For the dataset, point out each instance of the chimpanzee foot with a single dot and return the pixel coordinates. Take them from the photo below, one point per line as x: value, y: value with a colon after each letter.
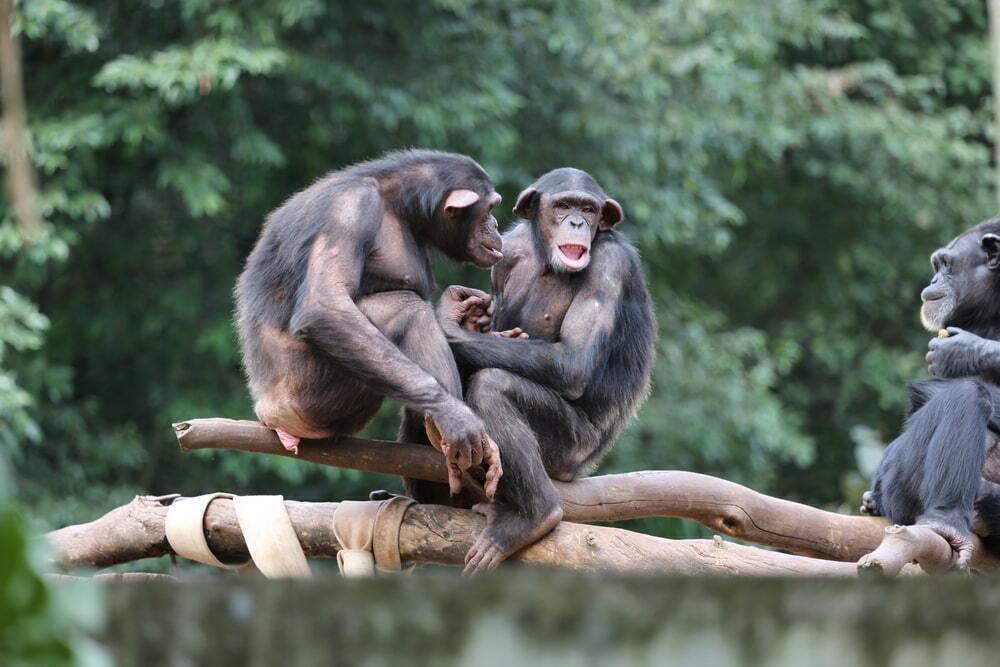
x: 290, y: 441
x: 960, y: 542
x: 868, y: 504
x: 506, y: 533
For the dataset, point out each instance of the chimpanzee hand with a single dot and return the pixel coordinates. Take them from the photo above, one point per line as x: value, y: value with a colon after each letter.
x: 466, y: 308
x: 516, y: 332
x: 961, y: 354
x: 464, y: 442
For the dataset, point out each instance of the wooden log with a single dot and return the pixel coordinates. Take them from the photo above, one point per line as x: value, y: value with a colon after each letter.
x: 392, y: 458
x: 430, y: 534
x: 724, y: 507
x: 918, y: 544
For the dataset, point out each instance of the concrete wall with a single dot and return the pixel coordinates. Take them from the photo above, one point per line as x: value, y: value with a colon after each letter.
x: 529, y: 617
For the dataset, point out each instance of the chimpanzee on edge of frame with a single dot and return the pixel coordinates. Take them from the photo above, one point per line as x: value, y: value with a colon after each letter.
x: 556, y: 402
x: 333, y: 307
x: 937, y: 471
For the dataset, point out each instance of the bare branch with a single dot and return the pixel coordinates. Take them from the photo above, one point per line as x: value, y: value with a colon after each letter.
x: 430, y: 534
x: 921, y: 545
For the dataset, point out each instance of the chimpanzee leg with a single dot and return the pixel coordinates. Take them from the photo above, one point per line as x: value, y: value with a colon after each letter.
x: 955, y: 453
x: 520, y: 415
x: 409, y: 321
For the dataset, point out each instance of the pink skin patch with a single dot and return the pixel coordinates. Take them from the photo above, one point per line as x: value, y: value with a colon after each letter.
x: 574, y: 256
x: 290, y: 442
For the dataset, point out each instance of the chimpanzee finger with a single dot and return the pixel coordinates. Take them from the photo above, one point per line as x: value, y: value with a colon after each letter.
x: 459, y: 455
x: 929, y: 357
x: 954, y: 331
x: 469, y: 303
x: 494, y: 469
x: 475, y: 452
x: 454, y: 479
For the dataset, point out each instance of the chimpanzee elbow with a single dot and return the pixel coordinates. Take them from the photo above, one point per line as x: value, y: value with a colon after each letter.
x: 303, y: 324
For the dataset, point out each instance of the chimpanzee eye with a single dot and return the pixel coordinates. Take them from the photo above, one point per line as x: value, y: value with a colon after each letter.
x: 562, y: 206
x: 589, y: 209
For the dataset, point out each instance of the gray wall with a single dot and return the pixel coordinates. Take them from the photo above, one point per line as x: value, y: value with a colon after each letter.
x: 528, y: 617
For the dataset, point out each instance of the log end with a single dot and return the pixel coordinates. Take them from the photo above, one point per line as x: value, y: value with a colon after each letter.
x: 180, y: 429
x: 871, y: 566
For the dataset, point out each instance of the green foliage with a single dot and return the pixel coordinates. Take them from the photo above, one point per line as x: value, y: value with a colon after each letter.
x: 39, y: 626
x: 785, y: 167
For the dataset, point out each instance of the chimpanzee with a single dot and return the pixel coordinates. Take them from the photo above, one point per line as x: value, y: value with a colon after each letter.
x: 933, y: 473
x: 556, y: 401
x: 333, y: 305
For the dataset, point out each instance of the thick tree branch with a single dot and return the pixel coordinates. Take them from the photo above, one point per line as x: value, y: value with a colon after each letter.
x: 430, y: 534
x: 725, y: 507
x: 921, y: 545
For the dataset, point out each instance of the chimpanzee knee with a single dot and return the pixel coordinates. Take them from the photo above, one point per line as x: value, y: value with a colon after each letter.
x: 486, y: 387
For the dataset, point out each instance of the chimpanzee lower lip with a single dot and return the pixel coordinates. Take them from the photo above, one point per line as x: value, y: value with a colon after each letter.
x: 493, y: 251
x: 573, y: 251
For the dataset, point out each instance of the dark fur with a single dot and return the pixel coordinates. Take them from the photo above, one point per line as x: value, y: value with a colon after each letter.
x: 346, y: 253
x: 556, y: 403
x: 932, y: 473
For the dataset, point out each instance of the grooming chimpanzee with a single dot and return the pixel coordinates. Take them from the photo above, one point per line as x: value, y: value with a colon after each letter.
x: 334, y: 313
x: 933, y: 473
x: 555, y: 403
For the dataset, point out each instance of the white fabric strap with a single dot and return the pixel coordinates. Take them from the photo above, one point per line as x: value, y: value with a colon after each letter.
x: 274, y: 548
x: 185, y: 526
x: 270, y: 538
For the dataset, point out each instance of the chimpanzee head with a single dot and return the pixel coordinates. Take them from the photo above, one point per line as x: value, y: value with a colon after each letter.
x: 461, y: 198
x: 568, y: 209
x: 965, y: 289
x: 470, y: 213
x: 447, y: 199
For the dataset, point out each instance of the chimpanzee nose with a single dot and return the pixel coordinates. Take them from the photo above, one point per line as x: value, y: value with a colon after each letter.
x: 576, y: 222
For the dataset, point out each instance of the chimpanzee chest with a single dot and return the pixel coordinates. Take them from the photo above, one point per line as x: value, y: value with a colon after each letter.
x: 398, y: 262
x: 535, y: 303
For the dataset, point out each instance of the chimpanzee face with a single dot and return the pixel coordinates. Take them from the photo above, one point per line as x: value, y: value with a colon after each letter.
x: 568, y: 209
x: 474, y: 214
x: 568, y: 223
x: 964, y: 283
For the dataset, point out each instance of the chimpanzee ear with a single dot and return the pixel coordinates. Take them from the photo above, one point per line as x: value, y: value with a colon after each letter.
x: 991, y: 244
x: 525, y: 206
x: 611, y: 214
x: 459, y: 199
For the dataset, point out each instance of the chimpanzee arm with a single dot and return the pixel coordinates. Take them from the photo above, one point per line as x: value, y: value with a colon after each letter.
x: 568, y: 364
x: 328, y: 318
x: 963, y: 354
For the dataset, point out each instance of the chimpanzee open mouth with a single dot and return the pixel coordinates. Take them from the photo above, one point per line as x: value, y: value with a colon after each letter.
x: 573, y: 254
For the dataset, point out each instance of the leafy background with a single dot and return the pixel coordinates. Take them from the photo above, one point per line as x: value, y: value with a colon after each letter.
x: 786, y: 167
